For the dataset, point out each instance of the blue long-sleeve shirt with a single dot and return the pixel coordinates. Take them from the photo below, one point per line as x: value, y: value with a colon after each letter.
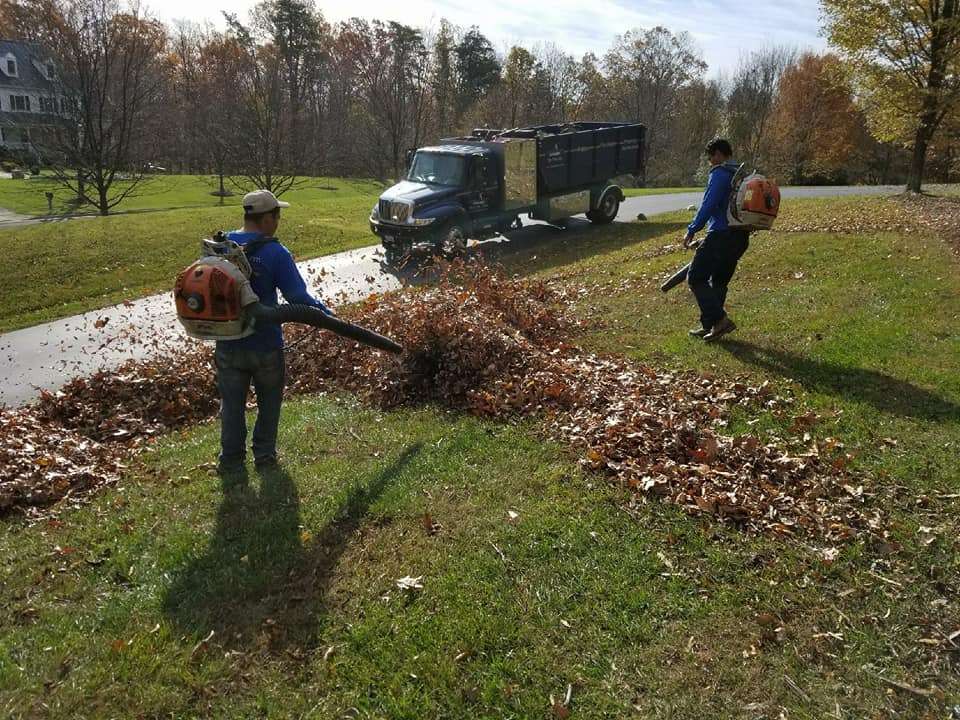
x: 713, y: 207
x: 273, y: 269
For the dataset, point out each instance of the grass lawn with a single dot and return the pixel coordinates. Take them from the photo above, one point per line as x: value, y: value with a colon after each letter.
x: 157, y: 192
x: 634, y: 192
x: 111, y: 608
x: 68, y: 267
x: 165, y: 192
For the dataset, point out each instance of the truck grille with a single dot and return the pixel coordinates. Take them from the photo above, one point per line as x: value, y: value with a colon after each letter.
x: 394, y: 212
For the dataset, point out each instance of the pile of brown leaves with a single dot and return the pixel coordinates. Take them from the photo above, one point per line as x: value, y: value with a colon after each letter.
x: 494, y: 347
x: 137, y: 400
x: 40, y: 464
x: 72, y: 441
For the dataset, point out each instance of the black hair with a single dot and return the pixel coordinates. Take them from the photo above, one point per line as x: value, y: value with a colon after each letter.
x: 257, y: 217
x: 721, y: 144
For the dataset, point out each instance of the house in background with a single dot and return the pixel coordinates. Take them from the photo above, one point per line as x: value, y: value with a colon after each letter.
x: 31, y: 100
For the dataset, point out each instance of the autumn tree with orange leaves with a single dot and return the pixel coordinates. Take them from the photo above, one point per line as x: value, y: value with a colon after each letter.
x: 815, y: 123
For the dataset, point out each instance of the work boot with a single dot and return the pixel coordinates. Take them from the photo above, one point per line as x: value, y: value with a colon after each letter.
x: 698, y: 332
x: 724, y: 325
x: 269, y: 462
x: 230, y: 466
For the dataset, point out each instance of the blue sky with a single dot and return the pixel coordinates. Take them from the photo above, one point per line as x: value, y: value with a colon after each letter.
x: 720, y: 28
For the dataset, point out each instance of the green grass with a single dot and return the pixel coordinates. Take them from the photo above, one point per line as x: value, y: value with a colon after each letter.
x: 68, y: 267
x: 165, y: 192
x: 156, y: 192
x: 634, y: 192
x: 647, y: 614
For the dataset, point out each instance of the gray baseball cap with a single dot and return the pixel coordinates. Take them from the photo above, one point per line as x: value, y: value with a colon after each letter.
x: 261, y: 201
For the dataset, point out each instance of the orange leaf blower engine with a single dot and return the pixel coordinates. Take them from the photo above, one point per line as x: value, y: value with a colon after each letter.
x: 754, y: 201
x: 215, y: 301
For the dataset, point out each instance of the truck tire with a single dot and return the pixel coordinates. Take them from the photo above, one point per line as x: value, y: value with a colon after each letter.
x: 607, y: 209
x: 453, y: 241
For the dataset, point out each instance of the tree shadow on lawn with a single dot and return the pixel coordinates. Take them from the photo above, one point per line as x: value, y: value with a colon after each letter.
x: 887, y: 394
x: 263, y: 580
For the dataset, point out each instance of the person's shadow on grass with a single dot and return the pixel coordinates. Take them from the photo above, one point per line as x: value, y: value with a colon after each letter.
x: 887, y: 394
x: 263, y: 579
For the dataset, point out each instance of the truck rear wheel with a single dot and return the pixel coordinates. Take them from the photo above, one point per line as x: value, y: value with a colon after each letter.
x: 606, y: 211
x: 453, y: 242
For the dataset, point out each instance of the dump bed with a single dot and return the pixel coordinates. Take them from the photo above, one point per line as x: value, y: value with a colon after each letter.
x: 577, y: 155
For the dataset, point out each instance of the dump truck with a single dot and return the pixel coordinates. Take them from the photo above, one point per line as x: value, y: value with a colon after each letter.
x: 479, y: 186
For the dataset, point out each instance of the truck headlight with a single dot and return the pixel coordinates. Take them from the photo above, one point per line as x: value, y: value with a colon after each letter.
x: 420, y: 221
x: 375, y: 213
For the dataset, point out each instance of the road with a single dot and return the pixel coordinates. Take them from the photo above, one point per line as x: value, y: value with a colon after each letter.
x: 46, y: 356
x: 9, y: 219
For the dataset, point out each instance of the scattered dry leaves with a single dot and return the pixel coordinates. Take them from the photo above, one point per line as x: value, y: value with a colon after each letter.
x: 495, y: 347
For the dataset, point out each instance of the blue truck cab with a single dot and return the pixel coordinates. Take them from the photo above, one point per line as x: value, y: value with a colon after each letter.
x: 478, y: 186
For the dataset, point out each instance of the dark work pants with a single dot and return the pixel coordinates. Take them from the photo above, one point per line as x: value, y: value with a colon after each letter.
x: 236, y: 369
x: 712, y: 268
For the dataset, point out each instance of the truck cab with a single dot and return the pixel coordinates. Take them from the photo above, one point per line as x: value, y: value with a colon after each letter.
x: 451, y: 192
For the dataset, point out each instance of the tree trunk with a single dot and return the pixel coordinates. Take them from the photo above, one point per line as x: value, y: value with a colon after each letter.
x: 103, y: 204
x: 885, y: 167
x: 931, y: 99
x: 922, y: 139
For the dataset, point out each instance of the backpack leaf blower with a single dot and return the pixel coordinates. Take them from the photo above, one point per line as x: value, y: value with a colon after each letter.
x: 754, y: 204
x: 215, y: 301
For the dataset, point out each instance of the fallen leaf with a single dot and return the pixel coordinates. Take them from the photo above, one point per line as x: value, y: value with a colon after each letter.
x: 410, y: 583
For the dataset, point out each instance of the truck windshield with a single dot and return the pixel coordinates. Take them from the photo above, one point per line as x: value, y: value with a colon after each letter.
x: 438, y: 169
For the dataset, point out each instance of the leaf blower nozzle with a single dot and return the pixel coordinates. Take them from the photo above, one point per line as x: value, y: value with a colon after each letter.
x: 678, y: 277
x: 309, y: 315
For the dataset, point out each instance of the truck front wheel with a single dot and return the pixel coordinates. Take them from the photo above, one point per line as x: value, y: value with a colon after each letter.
x: 393, y: 254
x: 606, y: 211
x: 453, y: 241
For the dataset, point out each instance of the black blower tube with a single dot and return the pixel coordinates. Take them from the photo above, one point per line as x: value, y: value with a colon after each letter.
x: 678, y: 277
x: 309, y: 315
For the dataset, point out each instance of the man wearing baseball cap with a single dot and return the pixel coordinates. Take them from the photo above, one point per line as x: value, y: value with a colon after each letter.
x: 258, y: 358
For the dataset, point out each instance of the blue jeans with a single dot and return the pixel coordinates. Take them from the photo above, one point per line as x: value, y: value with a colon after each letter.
x: 712, y: 269
x: 235, y: 371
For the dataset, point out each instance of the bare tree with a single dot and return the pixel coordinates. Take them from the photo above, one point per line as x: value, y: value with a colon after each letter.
x: 393, y: 79
x: 646, y: 70
x: 265, y: 155
x: 205, y: 88
x: 750, y: 100
x: 111, y: 70
x: 697, y: 118
x: 443, y: 77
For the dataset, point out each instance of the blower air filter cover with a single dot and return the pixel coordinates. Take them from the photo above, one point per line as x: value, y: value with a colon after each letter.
x: 210, y: 297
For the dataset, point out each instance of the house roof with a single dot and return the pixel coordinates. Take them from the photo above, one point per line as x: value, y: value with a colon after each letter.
x: 26, y: 54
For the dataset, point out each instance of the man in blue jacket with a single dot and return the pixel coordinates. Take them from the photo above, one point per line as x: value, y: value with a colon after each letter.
x: 717, y: 256
x: 258, y: 358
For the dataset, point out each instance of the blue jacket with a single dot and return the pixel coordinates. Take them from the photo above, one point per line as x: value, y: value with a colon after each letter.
x: 716, y: 198
x: 273, y: 269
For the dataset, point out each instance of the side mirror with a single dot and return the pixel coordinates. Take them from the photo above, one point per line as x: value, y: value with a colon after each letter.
x: 408, y: 156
